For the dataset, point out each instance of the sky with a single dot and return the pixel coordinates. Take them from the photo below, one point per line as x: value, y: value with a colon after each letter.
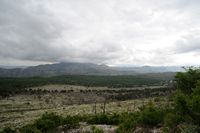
x: 112, y: 32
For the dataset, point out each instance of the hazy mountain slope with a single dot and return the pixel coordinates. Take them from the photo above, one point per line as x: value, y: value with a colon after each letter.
x: 82, y: 69
x: 59, y: 69
x: 151, y: 69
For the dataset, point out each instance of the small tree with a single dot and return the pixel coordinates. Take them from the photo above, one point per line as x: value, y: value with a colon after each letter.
x: 186, y: 81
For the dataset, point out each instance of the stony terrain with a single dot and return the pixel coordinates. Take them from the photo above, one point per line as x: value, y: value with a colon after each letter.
x: 19, y: 110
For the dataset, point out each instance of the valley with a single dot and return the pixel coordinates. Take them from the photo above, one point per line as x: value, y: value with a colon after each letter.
x: 19, y: 110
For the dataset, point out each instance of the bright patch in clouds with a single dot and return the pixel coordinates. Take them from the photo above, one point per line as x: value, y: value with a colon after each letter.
x: 113, y: 32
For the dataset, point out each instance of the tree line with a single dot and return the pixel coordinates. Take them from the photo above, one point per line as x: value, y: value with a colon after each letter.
x: 12, y: 86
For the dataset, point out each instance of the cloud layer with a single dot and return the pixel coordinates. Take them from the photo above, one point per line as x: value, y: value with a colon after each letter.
x: 114, y: 32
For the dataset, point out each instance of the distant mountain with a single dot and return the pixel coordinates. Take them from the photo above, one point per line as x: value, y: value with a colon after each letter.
x: 59, y: 69
x: 81, y: 69
x: 151, y: 69
x: 12, y: 67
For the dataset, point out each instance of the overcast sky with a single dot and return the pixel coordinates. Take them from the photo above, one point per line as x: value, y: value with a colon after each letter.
x: 113, y: 32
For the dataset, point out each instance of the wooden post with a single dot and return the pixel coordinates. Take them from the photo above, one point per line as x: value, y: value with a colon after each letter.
x: 95, y: 108
x: 104, y: 107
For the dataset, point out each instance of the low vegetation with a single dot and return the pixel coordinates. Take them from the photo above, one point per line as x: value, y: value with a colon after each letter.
x: 182, y: 117
x: 12, y: 86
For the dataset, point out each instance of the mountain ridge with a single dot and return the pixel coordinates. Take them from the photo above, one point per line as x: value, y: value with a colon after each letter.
x: 75, y: 68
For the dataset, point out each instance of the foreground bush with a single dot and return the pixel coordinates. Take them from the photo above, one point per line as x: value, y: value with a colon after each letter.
x: 171, y: 121
x: 128, y: 122
x: 8, y: 130
x: 151, y: 115
x: 104, y: 119
x: 48, y: 123
x: 30, y: 129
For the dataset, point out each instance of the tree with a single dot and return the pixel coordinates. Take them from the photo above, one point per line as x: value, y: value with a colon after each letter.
x: 187, y: 100
x: 186, y: 81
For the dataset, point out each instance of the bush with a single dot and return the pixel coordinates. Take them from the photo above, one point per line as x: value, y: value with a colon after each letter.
x: 186, y: 81
x: 181, y: 103
x: 172, y: 120
x: 113, y: 119
x: 8, y: 130
x: 48, y: 121
x: 128, y: 122
x: 98, y: 119
x: 195, y: 101
x: 128, y: 126
x: 96, y: 130
x: 191, y: 129
x: 29, y: 129
x: 71, y: 122
x: 151, y: 116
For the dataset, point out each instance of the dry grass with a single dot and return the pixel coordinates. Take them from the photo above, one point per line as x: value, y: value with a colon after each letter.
x: 19, y: 110
x: 78, y: 88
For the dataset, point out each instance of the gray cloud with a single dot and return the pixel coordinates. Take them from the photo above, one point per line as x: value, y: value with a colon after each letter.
x: 188, y: 44
x: 112, y: 32
x: 26, y: 31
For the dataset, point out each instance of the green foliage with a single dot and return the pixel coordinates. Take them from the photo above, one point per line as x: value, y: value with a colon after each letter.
x: 11, y: 86
x: 195, y: 100
x: 96, y: 130
x: 171, y: 120
x: 181, y: 103
x: 191, y: 129
x: 187, y: 100
x: 128, y: 122
x: 71, y: 122
x: 127, y: 126
x: 186, y: 81
x: 195, y: 103
x: 48, y: 121
x: 29, y: 129
x: 186, y: 111
x: 98, y: 119
x: 114, y: 119
x: 104, y: 119
x: 151, y: 116
x: 8, y: 130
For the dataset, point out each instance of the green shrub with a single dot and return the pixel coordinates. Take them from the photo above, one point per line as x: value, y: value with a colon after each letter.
x: 45, y: 125
x: 128, y: 126
x: 191, y: 129
x: 29, y: 129
x: 195, y: 100
x: 151, y: 116
x: 50, y: 121
x: 71, y: 122
x: 113, y: 119
x: 181, y: 103
x: 96, y: 130
x: 98, y: 119
x: 186, y: 81
x: 8, y: 130
x: 128, y: 122
x: 172, y: 120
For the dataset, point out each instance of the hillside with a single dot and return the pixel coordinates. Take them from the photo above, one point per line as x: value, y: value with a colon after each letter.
x: 81, y: 69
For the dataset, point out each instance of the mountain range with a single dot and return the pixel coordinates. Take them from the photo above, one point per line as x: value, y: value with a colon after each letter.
x: 73, y: 68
